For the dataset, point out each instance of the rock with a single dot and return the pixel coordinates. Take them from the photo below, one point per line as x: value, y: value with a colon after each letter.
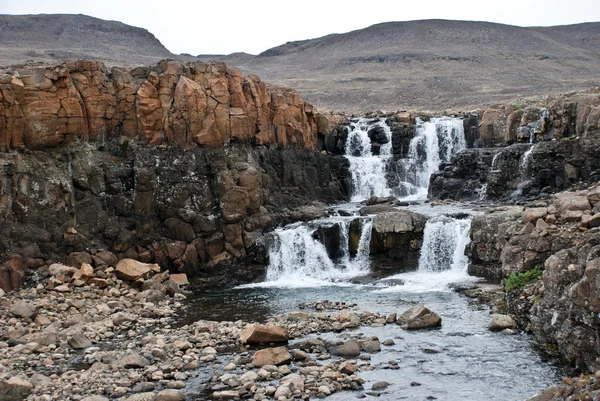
x: 95, y: 398
x: 57, y: 269
x: 150, y: 296
x: 38, y: 380
x: 531, y: 215
x: 142, y: 397
x: 419, y: 317
x: 79, y: 341
x: 348, y: 368
x: 129, y: 269
x: 225, y: 395
x: 179, y: 279
x: 260, y: 334
x: 85, y: 272
x: 23, y: 309
x: 571, y: 201
x: 77, y: 259
x: 349, y: 349
x: 271, y: 356
x: 171, y: 395
x: 593, y: 195
x: 15, y: 388
x: 370, y: 346
x: 380, y: 385
x: 229, y: 367
x: 11, y: 273
x: 299, y: 355
x: 132, y: 361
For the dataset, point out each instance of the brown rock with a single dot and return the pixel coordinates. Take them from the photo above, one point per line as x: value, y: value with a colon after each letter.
x: 23, y: 309
x: 349, y: 349
x: 234, y: 205
x: 258, y: 333
x: 179, y: 279
x: 419, y: 317
x: 76, y: 259
x: 129, y: 269
x: 85, y: 273
x: 11, y: 274
x: 533, y: 214
x: 271, y: 356
x: 171, y: 395
x: 501, y: 322
x: 571, y: 201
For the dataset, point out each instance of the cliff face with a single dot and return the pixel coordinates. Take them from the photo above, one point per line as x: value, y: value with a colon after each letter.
x: 186, y: 104
x: 183, y: 165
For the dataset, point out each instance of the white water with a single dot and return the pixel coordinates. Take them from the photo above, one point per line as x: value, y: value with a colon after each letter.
x: 299, y: 260
x: 435, y: 141
x: 442, y: 261
x: 368, y: 171
x: 526, y: 159
x: 494, y: 160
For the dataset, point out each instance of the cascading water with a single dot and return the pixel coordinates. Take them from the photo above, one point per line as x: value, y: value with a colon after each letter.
x: 368, y: 171
x: 298, y: 259
x: 435, y: 141
x: 442, y: 260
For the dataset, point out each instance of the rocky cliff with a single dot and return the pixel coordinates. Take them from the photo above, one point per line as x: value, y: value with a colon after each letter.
x: 185, y: 165
x: 527, y: 151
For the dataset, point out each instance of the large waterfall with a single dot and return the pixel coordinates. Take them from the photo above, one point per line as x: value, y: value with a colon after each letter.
x: 435, y: 141
x: 368, y: 170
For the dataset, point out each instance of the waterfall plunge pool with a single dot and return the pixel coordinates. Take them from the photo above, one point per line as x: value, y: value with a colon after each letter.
x: 460, y: 360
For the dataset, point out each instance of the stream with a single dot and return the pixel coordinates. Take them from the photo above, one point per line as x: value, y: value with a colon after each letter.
x: 461, y: 360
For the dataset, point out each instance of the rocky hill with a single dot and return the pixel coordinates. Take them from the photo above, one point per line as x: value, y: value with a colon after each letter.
x: 433, y: 64
x: 58, y: 37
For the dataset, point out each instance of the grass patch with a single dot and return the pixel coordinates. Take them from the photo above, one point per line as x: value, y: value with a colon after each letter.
x: 518, y: 280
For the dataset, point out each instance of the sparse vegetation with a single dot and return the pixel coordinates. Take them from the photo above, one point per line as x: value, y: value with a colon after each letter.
x: 518, y: 280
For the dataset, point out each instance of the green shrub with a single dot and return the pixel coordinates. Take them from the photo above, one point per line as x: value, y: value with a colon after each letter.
x: 518, y: 280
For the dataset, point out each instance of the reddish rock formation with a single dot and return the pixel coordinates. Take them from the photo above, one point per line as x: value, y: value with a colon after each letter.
x: 187, y: 104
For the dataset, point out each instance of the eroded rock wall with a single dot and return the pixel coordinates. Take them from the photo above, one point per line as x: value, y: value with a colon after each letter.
x: 185, y: 165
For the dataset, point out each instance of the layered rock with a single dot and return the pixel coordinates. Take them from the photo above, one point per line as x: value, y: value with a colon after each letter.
x: 172, y: 102
x: 183, y: 165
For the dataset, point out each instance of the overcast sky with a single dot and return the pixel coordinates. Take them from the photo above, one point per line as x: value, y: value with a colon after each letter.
x: 227, y: 26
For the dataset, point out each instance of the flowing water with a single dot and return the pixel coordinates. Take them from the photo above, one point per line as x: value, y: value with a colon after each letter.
x: 462, y: 360
x: 435, y: 141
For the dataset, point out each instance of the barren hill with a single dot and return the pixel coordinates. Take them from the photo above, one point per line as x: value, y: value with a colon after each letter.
x: 57, y: 37
x: 432, y: 64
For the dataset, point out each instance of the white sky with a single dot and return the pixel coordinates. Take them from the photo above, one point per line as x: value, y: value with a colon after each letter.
x: 227, y: 26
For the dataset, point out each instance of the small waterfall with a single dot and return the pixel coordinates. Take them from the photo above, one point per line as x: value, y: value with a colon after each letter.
x: 297, y: 259
x: 524, y: 171
x: 494, y: 161
x: 368, y: 171
x: 435, y: 141
x: 442, y: 260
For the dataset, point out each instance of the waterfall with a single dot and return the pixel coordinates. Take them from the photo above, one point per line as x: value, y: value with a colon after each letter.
x: 368, y: 170
x: 435, y: 142
x: 298, y: 259
x: 442, y: 260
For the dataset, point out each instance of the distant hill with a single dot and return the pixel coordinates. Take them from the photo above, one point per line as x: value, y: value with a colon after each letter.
x: 431, y: 64
x: 58, y: 37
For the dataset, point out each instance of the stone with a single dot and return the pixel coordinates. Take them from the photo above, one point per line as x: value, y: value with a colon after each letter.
x: 132, y: 361
x: 419, y: 317
x: 11, y: 273
x: 593, y: 196
x: 15, y: 388
x: 95, y: 398
x: 150, y: 296
x: 85, y: 272
x: 129, y: 269
x: 348, y: 368
x: 170, y: 395
x: 370, y: 346
x: 225, y: 395
x: 38, y: 380
x: 57, y: 269
x: 77, y: 259
x: 261, y: 334
x: 349, y: 349
x: 179, y: 279
x: 571, y: 201
x: 380, y: 385
x: 142, y: 397
x: 531, y: 215
x: 23, y: 309
x: 79, y: 341
x: 271, y: 356
x: 501, y: 322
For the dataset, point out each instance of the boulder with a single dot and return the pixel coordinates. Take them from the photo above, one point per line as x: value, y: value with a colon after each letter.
x: 79, y: 341
x: 23, y: 309
x: 501, y: 322
x: 260, y: 334
x: 58, y: 269
x: 11, y: 273
x: 132, y: 361
x: 531, y: 215
x: 572, y: 201
x: 271, y: 356
x: 129, y: 269
x: 15, y: 388
x: 419, y: 317
x: 171, y: 395
x: 179, y: 279
x: 349, y: 349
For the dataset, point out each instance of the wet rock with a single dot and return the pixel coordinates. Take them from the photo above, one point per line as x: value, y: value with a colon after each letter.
x: 370, y: 346
x: 380, y: 385
x: 419, y: 317
x: 501, y: 322
x: 271, y: 356
x: 349, y: 349
x: 257, y: 334
x: 225, y: 395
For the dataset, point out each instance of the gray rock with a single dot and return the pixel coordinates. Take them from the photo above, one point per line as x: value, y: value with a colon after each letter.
x: 380, y: 386
x: 132, y: 361
x: 79, y: 341
x: 23, y: 309
x: 38, y: 380
x: 419, y: 317
x: 349, y: 349
x: 501, y: 322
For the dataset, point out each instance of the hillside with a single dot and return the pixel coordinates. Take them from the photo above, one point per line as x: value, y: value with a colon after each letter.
x: 58, y: 37
x: 432, y: 64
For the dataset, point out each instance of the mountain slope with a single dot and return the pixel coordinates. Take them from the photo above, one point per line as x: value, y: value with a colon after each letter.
x: 432, y: 64
x: 57, y: 37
